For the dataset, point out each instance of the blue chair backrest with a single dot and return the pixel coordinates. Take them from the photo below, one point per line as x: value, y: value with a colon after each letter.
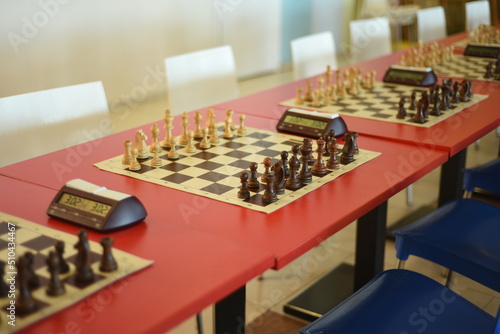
x: 486, y: 177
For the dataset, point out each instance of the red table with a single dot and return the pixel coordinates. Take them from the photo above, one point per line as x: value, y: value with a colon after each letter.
x: 452, y: 135
x: 192, y: 269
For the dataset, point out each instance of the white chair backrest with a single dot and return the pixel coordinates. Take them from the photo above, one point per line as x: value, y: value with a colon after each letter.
x: 45, y: 121
x: 200, y: 79
x: 311, y: 54
x: 476, y: 13
x: 431, y: 23
x: 370, y: 38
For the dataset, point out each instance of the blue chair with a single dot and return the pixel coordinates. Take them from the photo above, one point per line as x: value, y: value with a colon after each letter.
x: 486, y: 177
x: 462, y: 235
x: 401, y: 301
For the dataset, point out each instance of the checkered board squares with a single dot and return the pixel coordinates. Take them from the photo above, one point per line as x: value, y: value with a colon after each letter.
x: 215, y: 172
x: 382, y: 103
x: 463, y: 67
x: 40, y: 240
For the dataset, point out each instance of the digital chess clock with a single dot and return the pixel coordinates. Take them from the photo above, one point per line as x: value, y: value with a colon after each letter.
x: 312, y: 124
x: 98, y: 208
x: 482, y: 50
x: 413, y: 76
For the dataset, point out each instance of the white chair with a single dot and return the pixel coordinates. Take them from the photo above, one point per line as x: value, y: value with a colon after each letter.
x: 199, y: 79
x: 45, y: 121
x: 431, y: 24
x: 311, y: 54
x: 476, y: 13
x: 370, y: 38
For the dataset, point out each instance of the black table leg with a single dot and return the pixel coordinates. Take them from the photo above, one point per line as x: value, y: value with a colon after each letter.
x: 370, y: 245
x: 229, y: 314
x: 452, y: 178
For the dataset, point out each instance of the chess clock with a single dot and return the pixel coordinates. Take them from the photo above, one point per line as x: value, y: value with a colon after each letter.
x: 482, y: 50
x: 311, y: 124
x: 413, y: 76
x: 98, y: 208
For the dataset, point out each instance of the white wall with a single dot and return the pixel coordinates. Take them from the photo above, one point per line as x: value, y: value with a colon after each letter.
x: 52, y: 43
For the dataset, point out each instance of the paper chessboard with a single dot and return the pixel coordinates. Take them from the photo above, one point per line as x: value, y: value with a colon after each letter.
x: 39, y: 240
x: 464, y: 67
x: 381, y: 103
x: 215, y: 172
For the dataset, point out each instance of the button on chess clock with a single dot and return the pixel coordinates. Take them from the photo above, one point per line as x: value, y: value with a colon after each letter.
x: 95, y: 207
x: 413, y: 76
x: 311, y: 124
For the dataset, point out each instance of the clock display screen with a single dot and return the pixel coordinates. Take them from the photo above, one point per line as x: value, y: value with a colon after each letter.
x: 308, y: 122
x: 84, y: 204
x: 406, y: 74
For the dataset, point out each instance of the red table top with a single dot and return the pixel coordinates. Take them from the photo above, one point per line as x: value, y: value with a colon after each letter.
x: 287, y: 232
x: 451, y: 135
x: 192, y: 270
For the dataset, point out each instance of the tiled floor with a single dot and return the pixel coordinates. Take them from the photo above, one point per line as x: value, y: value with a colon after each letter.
x: 278, y: 287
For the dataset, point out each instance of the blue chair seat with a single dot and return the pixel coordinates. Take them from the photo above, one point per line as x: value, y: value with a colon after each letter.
x: 401, y: 302
x: 462, y: 235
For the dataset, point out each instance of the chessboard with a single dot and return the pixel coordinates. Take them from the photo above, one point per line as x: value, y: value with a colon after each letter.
x: 465, y: 67
x: 215, y: 172
x: 381, y: 102
x: 38, y: 243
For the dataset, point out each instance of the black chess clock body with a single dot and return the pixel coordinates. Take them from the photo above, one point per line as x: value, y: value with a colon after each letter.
x: 312, y: 124
x: 98, y: 208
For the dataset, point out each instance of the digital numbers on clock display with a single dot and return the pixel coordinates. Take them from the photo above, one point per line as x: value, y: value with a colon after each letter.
x: 85, y: 205
x: 311, y: 123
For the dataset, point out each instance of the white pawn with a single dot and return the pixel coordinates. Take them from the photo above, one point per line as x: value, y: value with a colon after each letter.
x: 214, y: 134
x: 190, y: 148
x: 242, y: 131
x: 228, y: 133
x: 173, y: 154
x: 134, y: 164
x: 156, y: 161
x: 204, y: 144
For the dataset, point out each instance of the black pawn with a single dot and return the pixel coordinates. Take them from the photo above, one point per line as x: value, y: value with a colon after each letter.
x: 489, y: 71
x: 454, y: 96
x: 401, y: 110
x: 25, y: 303
x: 253, y: 182
x: 413, y: 101
x: 333, y: 161
x: 305, y: 175
x: 308, y: 142
x: 243, y: 193
x: 84, y: 272
x: 63, y: 265
x: 108, y: 262
x: 328, y: 137
x: 270, y: 193
x: 293, y: 182
x: 419, y: 115
x: 55, y: 286
x: 436, y: 111
x: 319, y: 168
x: 267, y: 165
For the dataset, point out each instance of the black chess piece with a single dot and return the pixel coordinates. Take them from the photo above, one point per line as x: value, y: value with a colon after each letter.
x: 253, y: 182
x: 270, y: 193
x: 436, y: 111
x: 489, y: 71
x: 25, y: 303
x: 426, y: 102
x: 401, y: 110
x: 108, y: 263
x: 330, y: 134
x: 305, y: 175
x: 333, y: 161
x: 33, y: 279
x: 293, y: 182
x: 63, y: 264
x: 413, y: 101
x: 244, y: 193
x: 84, y: 272
x: 310, y: 159
x: 454, y: 96
x: 55, y: 286
x: 284, y: 163
x: 267, y: 165
x: 348, y: 150
x: 419, y: 115
x: 319, y: 169
x: 279, y: 178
